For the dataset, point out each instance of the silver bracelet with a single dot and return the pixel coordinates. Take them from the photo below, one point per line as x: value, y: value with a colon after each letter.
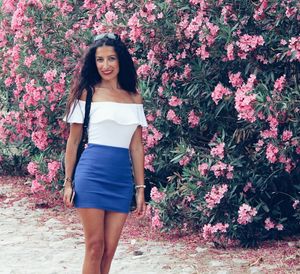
x: 140, y: 186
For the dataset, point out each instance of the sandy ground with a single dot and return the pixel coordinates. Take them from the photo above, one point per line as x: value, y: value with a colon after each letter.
x: 50, y: 241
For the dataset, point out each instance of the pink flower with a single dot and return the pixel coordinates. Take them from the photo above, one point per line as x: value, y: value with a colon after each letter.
x: 185, y: 160
x: 171, y: 116
x: 215, y: 195
x: 144, y: 70
x: 203, y: 169
x: 295, y: 204
x: 53, y: 168
x: 230, y: 52
x: 156, y: 195
x: 187, y: 71
x: 269, y: 224
x: 220, y: 168
x: 286, y: 135
x: 244, y: 100
x: 248, y: 43
x: 155, y: 221
x: 40, y: 139
x: 219, y: 92
x: 110, y: 17
x: 235, y: 79
x: 246, y: 214
x: 29, y: 59
x: 294, y: 45
x: 193, y: 119
x: 280, y: 83
x: 149, y: 162
x: 209, y: 230
x: 50, y: 75
x: 218, y: 151
x: 36, y: 186
x: 174, y: 101
x: 271, y: 153
x: 279, y: 227
x: 202, y: 52
x: 247, y: 187
x: 32, y: 168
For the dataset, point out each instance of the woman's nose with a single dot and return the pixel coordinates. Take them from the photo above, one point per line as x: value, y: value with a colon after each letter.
x: 105, y: 64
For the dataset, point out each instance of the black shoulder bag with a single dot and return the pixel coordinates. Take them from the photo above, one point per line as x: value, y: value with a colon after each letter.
x: 84, y: 136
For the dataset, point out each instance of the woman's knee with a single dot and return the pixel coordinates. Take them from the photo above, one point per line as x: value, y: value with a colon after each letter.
x: 95, y: 248
x: 109, y: 253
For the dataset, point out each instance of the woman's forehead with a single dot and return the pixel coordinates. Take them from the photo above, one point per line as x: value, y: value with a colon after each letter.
x: 105, y: 50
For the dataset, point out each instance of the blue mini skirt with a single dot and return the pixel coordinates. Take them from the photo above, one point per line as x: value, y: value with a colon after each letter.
x: 103, y: 179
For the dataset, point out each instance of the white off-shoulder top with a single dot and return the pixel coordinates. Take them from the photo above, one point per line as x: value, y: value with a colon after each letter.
x: 111, y: 123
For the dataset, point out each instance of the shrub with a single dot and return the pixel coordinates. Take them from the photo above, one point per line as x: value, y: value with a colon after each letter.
x: 220, y: 81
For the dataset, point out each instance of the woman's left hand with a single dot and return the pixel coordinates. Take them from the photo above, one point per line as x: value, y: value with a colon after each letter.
x: 140, y: 203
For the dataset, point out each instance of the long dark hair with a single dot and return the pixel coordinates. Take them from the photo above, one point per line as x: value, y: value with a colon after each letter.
x: 89, y: 76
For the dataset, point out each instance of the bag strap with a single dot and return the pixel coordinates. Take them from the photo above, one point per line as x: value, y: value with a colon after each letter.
x: 87, y: 114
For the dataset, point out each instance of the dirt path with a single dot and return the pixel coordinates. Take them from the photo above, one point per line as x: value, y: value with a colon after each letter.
x: 50, y: 241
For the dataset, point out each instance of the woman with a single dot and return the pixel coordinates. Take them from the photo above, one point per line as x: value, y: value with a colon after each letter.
x: 103, y: 177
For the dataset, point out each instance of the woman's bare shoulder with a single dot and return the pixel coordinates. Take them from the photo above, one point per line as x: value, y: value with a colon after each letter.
x: 137, y: 98
x: 83, y: 95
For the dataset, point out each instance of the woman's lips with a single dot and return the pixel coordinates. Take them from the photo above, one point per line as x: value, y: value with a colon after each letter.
x: 107, y: 72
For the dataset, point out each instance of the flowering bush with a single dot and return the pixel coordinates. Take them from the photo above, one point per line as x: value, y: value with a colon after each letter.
x: 220, y: 81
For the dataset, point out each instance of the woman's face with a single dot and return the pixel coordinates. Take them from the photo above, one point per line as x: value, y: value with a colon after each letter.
x: 107, y: 62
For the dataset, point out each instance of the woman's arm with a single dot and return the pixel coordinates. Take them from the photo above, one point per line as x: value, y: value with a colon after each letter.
x: 136, y: 149
x: 70, y: 156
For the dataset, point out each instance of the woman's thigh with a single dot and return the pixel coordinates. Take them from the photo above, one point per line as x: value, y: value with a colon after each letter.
x: 92, y: 220
x: 113, y: 225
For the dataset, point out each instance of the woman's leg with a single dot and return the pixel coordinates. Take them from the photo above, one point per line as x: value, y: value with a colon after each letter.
x: 113, y: 224
x: 93, y: 227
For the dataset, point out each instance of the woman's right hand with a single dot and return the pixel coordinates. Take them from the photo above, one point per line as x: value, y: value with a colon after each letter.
x: 68, y: 196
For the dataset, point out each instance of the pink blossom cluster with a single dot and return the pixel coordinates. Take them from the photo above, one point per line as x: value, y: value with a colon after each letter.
x: 296, y: 203
x: 259, y: 12
x: 175, y: 101
x: 151, y: 136
x: 280, y: 83
x: 193, y: 119
x: 289, y: 165
x: 53, y: 168
x: 144, y: 70
x: 230, y: 52
x: 214, y: 197
x: 273, y: 131
x: 40, y: 139
x: 209, y: 230
x: 203, y: 169
x: 294, y: 46
x: 32, y: 168
x: 50, y: 75
x: 218, y: 151
x: 187, y: 158
x: 235, y: 79
x: 228, y: 14
x: 219, y: 92
x: 171, y: 116
x: 36, y: 186
x: 246, y: 214
x: 221, y: 169
x: 245, y: 100
x: 269, y: 224
x: 271, y: 153
x: 287, y: 135
x: 110, y: 17
x: 156, y: 195
x: 149, y: 158
x: 247, y: 187
x: 156, y: 221
x: 248, y: 43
